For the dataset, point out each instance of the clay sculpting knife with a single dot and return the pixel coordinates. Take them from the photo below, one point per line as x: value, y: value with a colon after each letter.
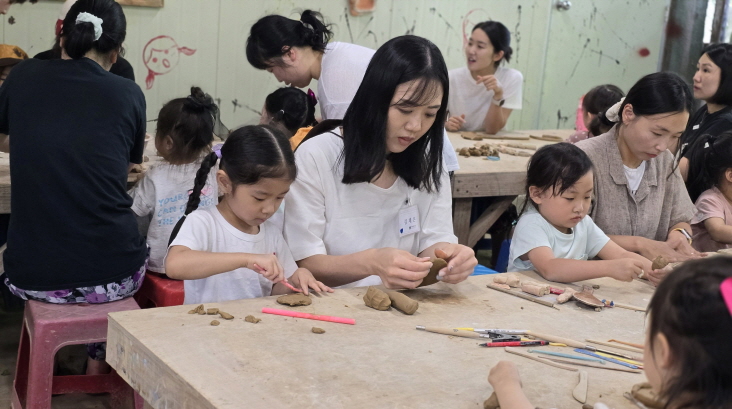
x: 577, y: 344
x: 453, y: 332
x: 587, y: 364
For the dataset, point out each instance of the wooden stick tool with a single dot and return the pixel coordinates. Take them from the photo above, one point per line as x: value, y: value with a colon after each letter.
x: 524, y: 296
x: 607, y: 344
x: 454, y: 332
x: 578, y: 344
x: 516, y: 351
x: 590, y: 365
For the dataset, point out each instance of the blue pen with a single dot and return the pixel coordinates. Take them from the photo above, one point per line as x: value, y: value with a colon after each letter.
x: 615, y: 361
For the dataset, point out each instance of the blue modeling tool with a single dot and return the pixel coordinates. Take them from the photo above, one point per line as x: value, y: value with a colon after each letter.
x: 615, y: 361
x: 560, y: 354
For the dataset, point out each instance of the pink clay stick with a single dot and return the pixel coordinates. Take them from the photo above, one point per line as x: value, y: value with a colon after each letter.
x: 296, y: 314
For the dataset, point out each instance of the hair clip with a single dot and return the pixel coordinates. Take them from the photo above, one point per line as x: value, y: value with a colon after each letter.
x: 312, y: 96
x: 217, y: 149
x: 613, y: 113
x: 726, y: 289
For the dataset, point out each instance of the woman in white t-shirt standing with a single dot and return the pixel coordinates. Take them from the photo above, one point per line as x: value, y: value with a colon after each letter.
x: 299, y: 51
x: 484, y: 93
x: 369, y: 204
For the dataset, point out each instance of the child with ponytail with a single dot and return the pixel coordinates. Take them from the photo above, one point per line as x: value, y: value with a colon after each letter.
x: 232, y: 251
x: 292, y: 111
x: 183, y: 137
x: 712, y: 162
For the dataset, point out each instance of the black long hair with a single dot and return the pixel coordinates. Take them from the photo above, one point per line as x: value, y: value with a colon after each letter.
x: 190, y: 123
x: 400, y: 60
x: 250, y: 153
x: 292, y: 108
x: 557, y: 167
x: 721, y: 55
x: 689, y: 310
x: 79, y: 38
x: 711, y: 156
x: 500, y: 38
x: 273, y: 36
x: 598, y: 100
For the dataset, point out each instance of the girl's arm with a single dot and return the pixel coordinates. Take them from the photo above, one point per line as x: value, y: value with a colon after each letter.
x: 504, y: 378
x: 396, y: 268
x: 302, y: 279
x: 718, y: 230
x: 611, y: 251
x: 566, y: 270
x: 495, y: 118
x: 460, y: 259
x: 182, y: 263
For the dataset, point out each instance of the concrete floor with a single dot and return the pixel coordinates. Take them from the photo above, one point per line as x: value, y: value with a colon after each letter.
x: 70, y: 360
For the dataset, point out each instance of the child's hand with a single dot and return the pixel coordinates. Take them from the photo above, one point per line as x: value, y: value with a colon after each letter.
x: 625, y: 269
x: 505, y: 373
x: 455, y: 123
x: 302, y: 278
x: 266, y: 265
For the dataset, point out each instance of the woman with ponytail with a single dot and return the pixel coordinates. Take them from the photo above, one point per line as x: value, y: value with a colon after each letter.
x: 183, y: 137
x: 232, y: 250
x: 639, y: 197
x: 76, y: 129
x: 712, y: 224
x: 299, y: 51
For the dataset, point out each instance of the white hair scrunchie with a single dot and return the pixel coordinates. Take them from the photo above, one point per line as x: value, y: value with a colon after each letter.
x: 90, y: 18
x: 613, y: 113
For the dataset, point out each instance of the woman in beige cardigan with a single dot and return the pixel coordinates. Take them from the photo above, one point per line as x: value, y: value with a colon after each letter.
x: 640, y: 198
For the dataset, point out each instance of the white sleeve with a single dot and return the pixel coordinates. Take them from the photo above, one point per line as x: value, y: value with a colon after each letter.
x: 305, y: 208
x: 143, y: 195
x: 513, y: 90
x: 526, y: 237
x: 285, y: 256
x: 596, y: 238
x: 437, y: 225
x: 195, y: 233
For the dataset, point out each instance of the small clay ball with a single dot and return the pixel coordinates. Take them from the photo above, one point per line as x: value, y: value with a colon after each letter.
x: 215, y: 323
x: 317, y: 330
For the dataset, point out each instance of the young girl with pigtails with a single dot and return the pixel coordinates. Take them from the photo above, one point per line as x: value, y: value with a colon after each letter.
x: 185, y: 131
x: 232, y: 251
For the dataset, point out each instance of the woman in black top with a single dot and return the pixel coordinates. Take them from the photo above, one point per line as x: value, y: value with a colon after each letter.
x: 713, y: 85
x: 75, y: 130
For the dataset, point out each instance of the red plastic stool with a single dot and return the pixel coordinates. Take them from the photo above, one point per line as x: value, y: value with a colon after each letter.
x: 159, y: 291
x: 48, y: 327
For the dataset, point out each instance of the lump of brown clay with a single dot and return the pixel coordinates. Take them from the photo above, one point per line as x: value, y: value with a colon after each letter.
x: 566, y: 295
x: 431, y: 278
x: 377, y: 299
x: 317, y: 330
x: 500, y: 279
x: 535, y: 288
x: 644, y: 393
x: 294, y: 300
x: 215, y: 323
x: 403, y: 303
x: 504, y: 286
x: 226, y: 315
x: 513, y: 281
x: 212, y: 311
x: 659, y: 262
x: 198, y: 310
x: 250, y: 318
x: 491, y: 402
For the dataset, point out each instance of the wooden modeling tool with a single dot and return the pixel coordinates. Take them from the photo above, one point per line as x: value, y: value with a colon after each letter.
x: 624, y: 347
x: 580, y: 391
x: 550, y: 138
x: 639, y: 346
x: 577, y: 344
x: 615, y: 361
x: 563, y: 355
x: 476, y: 136
x: 524, y: 296
x: 622, y: 305
x: 496, y: 331
x: 586, y: 297
x: 589, y: 365
x: 516, y: 351
x: 453, y: 332
x: 629, y: 361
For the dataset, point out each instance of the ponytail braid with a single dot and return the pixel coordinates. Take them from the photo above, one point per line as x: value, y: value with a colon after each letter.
x: 194, y: 199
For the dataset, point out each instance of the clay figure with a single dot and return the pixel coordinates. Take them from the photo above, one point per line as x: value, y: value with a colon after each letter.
x: 377, y: 299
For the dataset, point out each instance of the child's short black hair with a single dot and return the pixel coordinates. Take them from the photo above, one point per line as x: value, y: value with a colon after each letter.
x: 689, y: 310
x: 710, y: 157
x: 292, y: 108
x: 557, y: 167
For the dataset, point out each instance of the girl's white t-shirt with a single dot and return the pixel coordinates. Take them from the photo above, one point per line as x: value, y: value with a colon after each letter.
x: 163, y: 193
x: 325, y: 216
x: 342, y: 71
x: 533, y: 230
x: 207, y: 230
x: 473, y: 100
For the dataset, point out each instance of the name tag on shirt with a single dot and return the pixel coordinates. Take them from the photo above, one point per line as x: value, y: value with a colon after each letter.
x: 408, y: 221
x: 695, y: 127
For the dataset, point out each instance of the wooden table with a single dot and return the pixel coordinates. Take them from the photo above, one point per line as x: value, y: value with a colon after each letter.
x: 503, y: 179
x: 177, y: 360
